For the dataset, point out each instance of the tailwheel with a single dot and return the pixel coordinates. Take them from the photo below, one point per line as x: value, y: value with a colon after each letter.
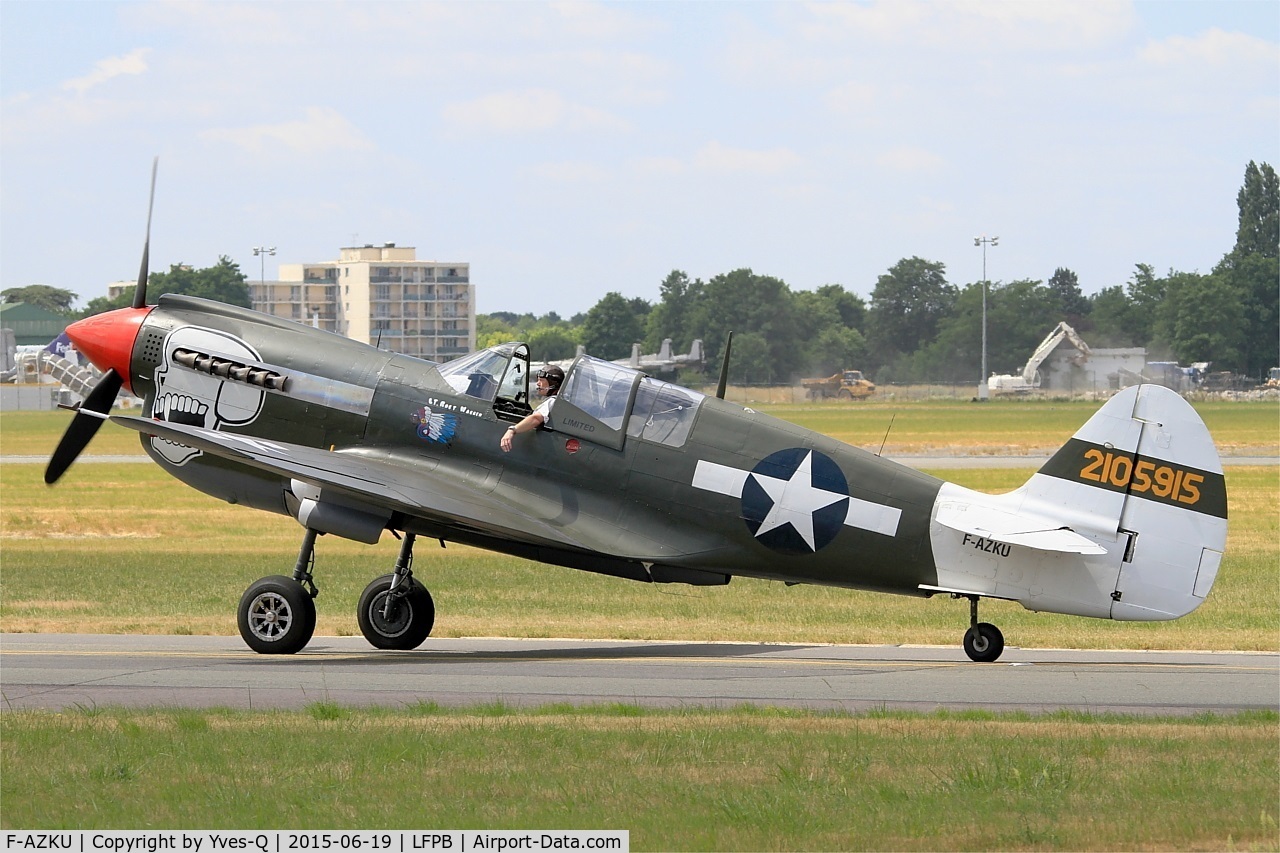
x: 398, y: 616
x: 983, y: 642
x: 277, y: 616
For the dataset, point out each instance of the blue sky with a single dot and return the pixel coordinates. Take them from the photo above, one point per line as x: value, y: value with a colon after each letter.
x: 567, y: 150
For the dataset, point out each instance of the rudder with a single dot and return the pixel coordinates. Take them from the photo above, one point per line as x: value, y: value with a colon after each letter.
x: 1143, y: 470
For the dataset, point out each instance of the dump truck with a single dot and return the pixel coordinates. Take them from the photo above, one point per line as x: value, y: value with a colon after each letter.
x: 846, y: 385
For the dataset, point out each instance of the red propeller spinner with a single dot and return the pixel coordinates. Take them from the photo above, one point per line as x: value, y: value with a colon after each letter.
x: 107, y: 339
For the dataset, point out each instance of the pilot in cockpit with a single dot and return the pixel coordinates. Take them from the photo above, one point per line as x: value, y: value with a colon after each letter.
x: 549, y: 380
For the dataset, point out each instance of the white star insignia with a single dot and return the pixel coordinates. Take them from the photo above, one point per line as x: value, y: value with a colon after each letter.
x: 796, y: 500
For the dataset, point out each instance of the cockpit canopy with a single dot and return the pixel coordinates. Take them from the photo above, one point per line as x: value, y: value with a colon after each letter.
x: 600, y: 401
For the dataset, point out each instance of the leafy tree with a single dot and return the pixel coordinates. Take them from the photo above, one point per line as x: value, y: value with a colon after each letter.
x: 813, y: 314
x: 746, y: 303
x: 671, y: 317
x: 1251, y: 269
x: 1064, y: 287
x: 494, y: 329
x: 223, y: 282
x: 851, y: 308
x: 1146, y: 294
x: 828, y: 323
x: 1206, y: 320
x: 551, y: 343
x: 955, y: 355
x: 49, y: 298
x: 102, y: 304
x: 836, y: 348
x: 751, y: 362
x: 1110, y: 313
x: 1258, y: 232
x: 1253, y: 278
x: 1019, y: 315
x: 907, y: 306
x: 506, y: 318
x: 612, y: 325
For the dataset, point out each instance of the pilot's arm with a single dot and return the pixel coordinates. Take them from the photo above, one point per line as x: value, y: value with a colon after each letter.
x: 528, y: 424
x: 549, y: 380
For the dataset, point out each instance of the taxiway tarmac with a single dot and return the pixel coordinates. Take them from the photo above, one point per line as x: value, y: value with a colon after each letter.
x: 57, y: 671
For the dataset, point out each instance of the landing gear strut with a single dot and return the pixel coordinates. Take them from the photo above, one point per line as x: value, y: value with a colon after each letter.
x: 983, y: 642
x: 396, y: 611
x: 277, y: 615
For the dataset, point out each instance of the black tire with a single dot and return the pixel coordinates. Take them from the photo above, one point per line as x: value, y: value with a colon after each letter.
x: 276, y: 616
x: 983, y: 642
x: 410, y: 621
x: 846, y: 394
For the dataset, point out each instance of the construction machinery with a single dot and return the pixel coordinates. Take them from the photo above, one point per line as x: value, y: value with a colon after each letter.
x: 1029, y: 378
x: 845, y: 385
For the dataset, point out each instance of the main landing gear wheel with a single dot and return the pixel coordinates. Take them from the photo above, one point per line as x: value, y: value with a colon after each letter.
x: 277, y: 616
x: 399, y: 619
x: 983, y: 642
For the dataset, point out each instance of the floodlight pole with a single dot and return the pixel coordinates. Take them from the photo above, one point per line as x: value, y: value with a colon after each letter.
x: 984, y: 241
x: 261, y: 252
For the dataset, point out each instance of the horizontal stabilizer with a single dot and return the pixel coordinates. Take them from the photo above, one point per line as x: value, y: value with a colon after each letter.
x: 997, y: 526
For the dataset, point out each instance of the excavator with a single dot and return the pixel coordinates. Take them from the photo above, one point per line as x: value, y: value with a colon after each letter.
x: 1029, y: 378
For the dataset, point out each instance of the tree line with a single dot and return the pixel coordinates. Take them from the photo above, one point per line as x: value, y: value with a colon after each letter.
x: 917, y: 326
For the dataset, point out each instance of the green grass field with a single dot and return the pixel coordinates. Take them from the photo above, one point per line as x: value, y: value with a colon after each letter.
x: 745, y: 779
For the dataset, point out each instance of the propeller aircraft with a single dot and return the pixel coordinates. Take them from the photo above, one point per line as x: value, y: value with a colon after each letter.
x: 635, y: 478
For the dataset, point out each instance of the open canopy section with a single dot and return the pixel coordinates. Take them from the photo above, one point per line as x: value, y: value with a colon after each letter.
x: 498, y: 375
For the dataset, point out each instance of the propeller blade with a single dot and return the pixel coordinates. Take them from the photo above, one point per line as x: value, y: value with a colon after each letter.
x: 140, y: 292
x: 84, y: 426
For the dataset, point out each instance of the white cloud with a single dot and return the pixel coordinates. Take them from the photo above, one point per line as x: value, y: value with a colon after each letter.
x: 975, y: 25
x: 108, y: 69
x: 913, y: 160
x: 602, y: 21
x: 716, y: 157
x: 657, y: 166
x: 323, y: 129
x: 1213, y: 47
x: 852, y: 98
x: 529, y: 111
x: 571, y: 172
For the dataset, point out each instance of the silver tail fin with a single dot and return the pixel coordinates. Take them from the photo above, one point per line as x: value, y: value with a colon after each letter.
x: 1128, y: 520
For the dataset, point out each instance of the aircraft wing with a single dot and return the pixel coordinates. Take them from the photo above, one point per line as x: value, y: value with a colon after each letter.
x: 993, y: 524
x: 432, y: 493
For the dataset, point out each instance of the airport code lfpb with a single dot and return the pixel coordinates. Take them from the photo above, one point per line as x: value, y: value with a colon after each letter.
x: 289, y: 841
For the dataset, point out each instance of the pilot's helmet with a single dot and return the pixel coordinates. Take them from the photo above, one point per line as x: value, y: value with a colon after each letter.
x: 554, y: 377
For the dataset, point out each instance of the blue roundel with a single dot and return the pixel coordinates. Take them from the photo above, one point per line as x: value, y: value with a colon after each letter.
x: 795, y: 501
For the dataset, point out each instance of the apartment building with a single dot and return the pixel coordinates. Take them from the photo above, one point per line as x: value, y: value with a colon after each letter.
x: 382, y: 295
